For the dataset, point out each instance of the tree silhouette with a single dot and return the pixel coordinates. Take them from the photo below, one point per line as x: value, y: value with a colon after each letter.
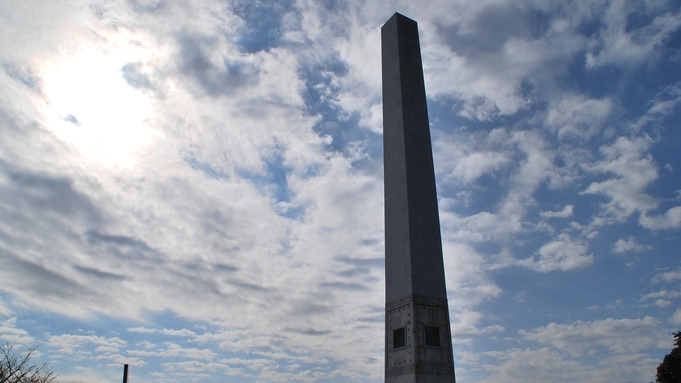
x: 17, y: 368
x: 669, y: 371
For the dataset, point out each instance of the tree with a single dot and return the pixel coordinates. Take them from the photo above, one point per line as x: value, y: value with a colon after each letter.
x: 669, y: 371
x: 17, y: 368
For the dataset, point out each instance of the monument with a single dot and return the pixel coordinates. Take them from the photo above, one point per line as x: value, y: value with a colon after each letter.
x: 418, y: 341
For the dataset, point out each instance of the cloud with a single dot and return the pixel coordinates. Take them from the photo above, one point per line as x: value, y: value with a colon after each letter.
x: 616, y: 335
x: 562, y: 254
x: 196, y: 370
x: 182, y: 333
x: 671, y: 219
x: 629, y: 244
x: 676, y: 317
x: 666, y: 101
x: 532, y: 366
x: 634, y: 169
x: 82, y: 374
x: 535, y: 168
x: 468, y: 282
x: 473, y: 166
x: 133, y: 75
x: 466, y: 323
x: 463, y: 157
x: 531, y: 166
x: 662, y: 294
x: 202, y: 57
x: 142, y: 330
x: 667, y: 277
x: 546, y: 365
x: 577, y: 116
x: 175, y: 350
x: 4, y: 310
x: 72, y: 119
x: 118, y: 359
x: 484, y: 59
x: 70, y: 343
x: 565, y: 213
x: 250, y: 176
x: 617, y: 44
x: 10, y: 333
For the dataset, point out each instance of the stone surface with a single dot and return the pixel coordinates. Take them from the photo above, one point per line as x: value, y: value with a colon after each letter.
x: 416, y: 295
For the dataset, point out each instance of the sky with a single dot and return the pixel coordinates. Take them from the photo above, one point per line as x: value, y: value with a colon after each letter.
x: 195, y: 188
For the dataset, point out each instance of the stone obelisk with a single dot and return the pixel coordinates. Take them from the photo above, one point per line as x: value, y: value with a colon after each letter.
x: 418, y: 343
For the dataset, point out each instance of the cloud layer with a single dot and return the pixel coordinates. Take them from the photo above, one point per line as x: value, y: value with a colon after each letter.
x: 196, y: 189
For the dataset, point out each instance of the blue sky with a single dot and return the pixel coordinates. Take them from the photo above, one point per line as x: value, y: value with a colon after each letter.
x: 195, y: 188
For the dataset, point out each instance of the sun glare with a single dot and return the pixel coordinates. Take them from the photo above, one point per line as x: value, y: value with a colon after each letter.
x: 93, y: 107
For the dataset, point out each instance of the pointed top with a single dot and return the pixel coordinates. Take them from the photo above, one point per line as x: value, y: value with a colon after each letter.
x: 400, y: 16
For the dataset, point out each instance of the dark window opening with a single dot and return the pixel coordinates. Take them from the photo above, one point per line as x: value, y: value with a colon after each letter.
x: 432, y: 336
x: 399, y: 338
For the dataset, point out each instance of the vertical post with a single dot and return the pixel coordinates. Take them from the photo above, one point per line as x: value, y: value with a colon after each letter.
x: 125, y: 373
x: 418, y: 340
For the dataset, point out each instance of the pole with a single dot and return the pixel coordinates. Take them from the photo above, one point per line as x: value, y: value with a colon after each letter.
x: 125, y: 373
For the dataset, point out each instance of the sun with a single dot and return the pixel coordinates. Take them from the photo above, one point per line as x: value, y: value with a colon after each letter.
x: 91, y: 106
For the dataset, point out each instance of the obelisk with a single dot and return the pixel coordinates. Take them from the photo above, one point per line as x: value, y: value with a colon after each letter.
x: 418, y: 342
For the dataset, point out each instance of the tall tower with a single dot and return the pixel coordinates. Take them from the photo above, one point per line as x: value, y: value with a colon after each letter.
x: 418, y: 341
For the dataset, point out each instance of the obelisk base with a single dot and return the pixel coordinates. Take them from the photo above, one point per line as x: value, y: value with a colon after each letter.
x: 417, y: 341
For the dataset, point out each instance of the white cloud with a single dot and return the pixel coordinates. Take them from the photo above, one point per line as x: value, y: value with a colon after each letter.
x: 244, y: 198
x: 468, y: 283
x: 676, y: 317
x: 474, y: 165
x: 182, y: 333
x: 667, y: 101
x: 4, y: 310
x: 669, y: 220
x: 175, y: 350
x: 616, y: 335
x: 466, y: 323
x: 634, y: 169
x: 620, y: 46
x: 464, y: 157
x: 479, y: 227
x: 565, y: 213
x: 536, y: 167
x: 87, y: 375
x: 197, y: 226
x: 631, y: 367
x: 662, y: 294
x: 562, y: 254
x: 578, y: 116
x: 533, y: 166
x: 661, y: 106
x: 532, y: 366
x: 197, y: 370
x: 484, y: 58
x: 547, y: 365
x: 119, y: 360
x: 10, y: 333
x: 629, y: 244
x: 253, y: 364
x: 667, y: 277
x: 142, y: 330
x: 70, y: 343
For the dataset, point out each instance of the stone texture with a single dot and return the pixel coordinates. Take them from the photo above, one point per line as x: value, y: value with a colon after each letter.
x: 416, y: 295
